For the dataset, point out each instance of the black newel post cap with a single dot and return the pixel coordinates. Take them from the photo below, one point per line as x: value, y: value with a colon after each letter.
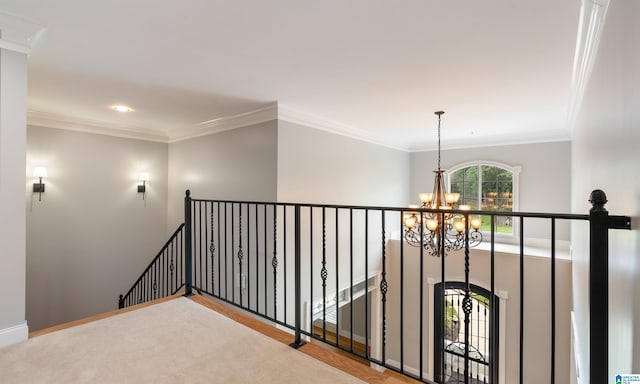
x: 188, y: 193
x: 598, y: 199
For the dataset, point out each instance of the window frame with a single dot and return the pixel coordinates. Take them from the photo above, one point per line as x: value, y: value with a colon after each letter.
x: 515, y: 172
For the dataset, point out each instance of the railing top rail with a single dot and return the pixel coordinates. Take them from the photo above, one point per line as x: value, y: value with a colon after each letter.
x: 544, y: 215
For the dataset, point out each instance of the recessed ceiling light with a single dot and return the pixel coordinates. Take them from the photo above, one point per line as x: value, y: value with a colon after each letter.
x: 121, y: 108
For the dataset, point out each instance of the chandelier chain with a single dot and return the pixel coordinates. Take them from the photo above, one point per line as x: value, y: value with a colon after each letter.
x: 439, y: 142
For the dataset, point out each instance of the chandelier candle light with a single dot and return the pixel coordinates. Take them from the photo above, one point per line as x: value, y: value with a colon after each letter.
x: 441, y: 232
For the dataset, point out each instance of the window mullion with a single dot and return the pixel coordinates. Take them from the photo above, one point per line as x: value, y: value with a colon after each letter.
x: 479, y: 187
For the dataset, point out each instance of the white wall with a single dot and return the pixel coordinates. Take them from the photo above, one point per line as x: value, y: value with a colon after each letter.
x: 315, y: 166
x: 92, y: 234
x: 13, y: 104
x: 606, y: 156
x: 545, y: 179
x: 240, y: 164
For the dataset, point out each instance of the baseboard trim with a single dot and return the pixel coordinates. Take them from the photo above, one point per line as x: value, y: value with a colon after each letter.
x: 14, y: 335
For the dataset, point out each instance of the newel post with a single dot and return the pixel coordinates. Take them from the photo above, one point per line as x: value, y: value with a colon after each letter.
x: 600, y: 223
x: 188, y: 285
x: 120, y: 302
x: 598, y: 287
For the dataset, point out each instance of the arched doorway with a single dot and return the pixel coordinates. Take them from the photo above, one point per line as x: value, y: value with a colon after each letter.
x: 449, y: 334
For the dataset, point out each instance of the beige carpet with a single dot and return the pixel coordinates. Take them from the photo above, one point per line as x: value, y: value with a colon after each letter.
x: 178, y: 341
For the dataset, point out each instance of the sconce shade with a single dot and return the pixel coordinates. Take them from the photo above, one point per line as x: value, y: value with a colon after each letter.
x: 40, y: 172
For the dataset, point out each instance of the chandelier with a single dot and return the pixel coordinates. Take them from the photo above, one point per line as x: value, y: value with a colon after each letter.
x: 441, y: 232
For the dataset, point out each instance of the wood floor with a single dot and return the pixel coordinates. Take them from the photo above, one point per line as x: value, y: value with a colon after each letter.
x: 339, y: 359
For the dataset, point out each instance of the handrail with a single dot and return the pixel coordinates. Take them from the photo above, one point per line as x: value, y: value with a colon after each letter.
x: 127, y: 299
x: 540, y: 215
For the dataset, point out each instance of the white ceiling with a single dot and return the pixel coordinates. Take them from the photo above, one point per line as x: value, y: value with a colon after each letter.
x: 501, y: 69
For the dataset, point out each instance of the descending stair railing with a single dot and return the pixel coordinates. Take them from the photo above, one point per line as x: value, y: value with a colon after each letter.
x: 344, y: 276
x: 163, y: 277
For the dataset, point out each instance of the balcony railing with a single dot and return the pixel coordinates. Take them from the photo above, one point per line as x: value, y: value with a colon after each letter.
x: 343, y: 275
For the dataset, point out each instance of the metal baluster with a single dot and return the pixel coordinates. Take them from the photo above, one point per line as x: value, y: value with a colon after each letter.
x: 521, y: 358
x: 257, y: 260
x: 233, y: 247
x: 265, y: 261
x: 274, y: 263
x: 324, y: 274
x: 284, y: 259
x: 351, y: 278
x: 383, y: 290
x: 240, y: 253
x: 366, y: 290
x: 492, y: 310
x: 311, y: 269
x: 402, y: 296
x: 226, y: 254
x: 248, y: 279
x: 212, y: 249
x: 467, y: 307
x: 553, y: 300
x: 337, y: 282
x: 198, y: 282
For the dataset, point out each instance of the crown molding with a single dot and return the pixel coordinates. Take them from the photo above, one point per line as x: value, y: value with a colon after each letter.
x: 291, y: 115
x: 226, y: 123
x: 590, y: 27
x: 17, y: 34
x: 52, y: 120
x: 547, y: 136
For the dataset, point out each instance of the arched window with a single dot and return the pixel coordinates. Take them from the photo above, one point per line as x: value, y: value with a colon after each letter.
x: 487, y: 186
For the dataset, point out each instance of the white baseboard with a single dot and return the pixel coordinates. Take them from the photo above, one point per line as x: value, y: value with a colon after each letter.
x: 14, y: 335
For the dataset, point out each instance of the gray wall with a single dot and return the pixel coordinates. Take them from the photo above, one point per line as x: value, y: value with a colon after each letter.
x: 537, y: 309
x: 606, y: 156
x: 239, y: 164
x: 315, y: 166
x: 92, y: 234
x: 545, y: 179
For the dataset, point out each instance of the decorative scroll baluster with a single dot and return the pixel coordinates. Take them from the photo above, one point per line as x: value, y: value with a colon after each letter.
x: 240, y: 254
x: 155, y: 288
x: 212, y: 249
x: 274, y: 261
x: 172, y: 267
x: 467, y: 306
x: 323, y: 275
x: 383, y: 289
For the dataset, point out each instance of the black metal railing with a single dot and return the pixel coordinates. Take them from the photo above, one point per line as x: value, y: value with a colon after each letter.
x: 163, y: 277
x: 345, y: 276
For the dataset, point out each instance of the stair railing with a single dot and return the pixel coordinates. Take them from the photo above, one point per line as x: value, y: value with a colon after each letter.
x: 163, y: 277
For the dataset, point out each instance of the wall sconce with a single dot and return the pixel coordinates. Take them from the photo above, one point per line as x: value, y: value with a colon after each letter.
x: 38, y: 187
x: 142, y: 188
